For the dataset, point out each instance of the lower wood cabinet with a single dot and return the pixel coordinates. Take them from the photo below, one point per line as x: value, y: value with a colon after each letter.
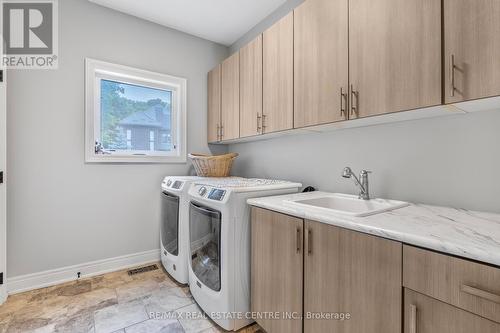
x: 468, y: 285
x: 322, y: 278
x: 348, y: 272
x: 423, y: 314
x: 353, y: 278
x: 277, y: 266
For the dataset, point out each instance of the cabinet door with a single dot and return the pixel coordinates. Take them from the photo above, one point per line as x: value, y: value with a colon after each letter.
x: 394, y: 55
x: 278, y: 76
x: 320, y: 62
x: 276, y: 269
x: 472, y: 30
x: 230, y: 108
x: 214, y: 103
x: 251, y: 88
x: 423, y: 314
x: 351, y: 273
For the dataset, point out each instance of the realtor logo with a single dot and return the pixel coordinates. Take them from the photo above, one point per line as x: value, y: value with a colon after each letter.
x: 29, y: 32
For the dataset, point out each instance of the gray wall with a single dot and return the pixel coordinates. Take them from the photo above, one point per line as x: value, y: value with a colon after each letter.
x: 283, y: 10
x: 450, y: 161
x: 62, y: 211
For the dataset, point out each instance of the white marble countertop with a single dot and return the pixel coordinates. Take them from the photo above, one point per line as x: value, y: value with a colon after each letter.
x: 459, y: 232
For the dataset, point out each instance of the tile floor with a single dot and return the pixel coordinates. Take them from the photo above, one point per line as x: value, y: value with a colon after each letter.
x: 110, y: 303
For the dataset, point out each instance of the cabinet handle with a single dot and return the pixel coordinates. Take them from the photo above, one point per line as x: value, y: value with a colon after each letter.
x: 452, y: 75
x: 354, y: 98
x: 259, y: 118
x: 264, y: 117
x: 343, y: 101
x: 218, y: 132
x: 480, y: 293
x: 299, y: 240
x: 413, y: 318
x: 221, y: 132
x: 309, y: 242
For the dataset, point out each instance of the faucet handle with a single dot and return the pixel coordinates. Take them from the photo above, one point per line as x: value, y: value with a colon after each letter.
x: 365, y: 172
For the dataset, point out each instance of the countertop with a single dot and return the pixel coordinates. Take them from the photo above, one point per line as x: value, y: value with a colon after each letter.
x: 468, y: 234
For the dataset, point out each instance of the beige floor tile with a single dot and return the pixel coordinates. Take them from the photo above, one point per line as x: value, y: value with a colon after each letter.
x: 119, y: 316
x: 193, y: 319
x: 114, y: 302
x: 29, y: 325
x: 92, y: 301
x: 81, y: 322
x: 156, y: 326
x: 110, y: 280
x: 136, y: 289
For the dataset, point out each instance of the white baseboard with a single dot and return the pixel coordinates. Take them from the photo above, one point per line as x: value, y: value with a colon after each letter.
x: 52, y: 277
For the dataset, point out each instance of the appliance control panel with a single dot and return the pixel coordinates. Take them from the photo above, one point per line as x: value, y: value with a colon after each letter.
x: 174, y: 184
x: 209, y: 192
x: 202, y: 191
x: 177, y: 184
x: 216, y: 194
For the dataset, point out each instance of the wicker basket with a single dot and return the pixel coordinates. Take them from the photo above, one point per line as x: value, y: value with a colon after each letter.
x: 213, y: 166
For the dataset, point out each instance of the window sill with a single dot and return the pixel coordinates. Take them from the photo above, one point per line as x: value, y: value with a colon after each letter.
x: 136, y: 159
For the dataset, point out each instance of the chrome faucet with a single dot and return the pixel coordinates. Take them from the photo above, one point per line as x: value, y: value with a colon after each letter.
x: 362, y: 182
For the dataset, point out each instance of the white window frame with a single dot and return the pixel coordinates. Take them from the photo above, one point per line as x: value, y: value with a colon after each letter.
x: 95, y: 71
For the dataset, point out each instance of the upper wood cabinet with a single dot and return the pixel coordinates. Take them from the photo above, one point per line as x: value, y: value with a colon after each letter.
x: 230, y: 105
x: 277, y: 267
x: 355, y: 273
x: 214, y: 104
x: 251, y: 88
x: 278, y: 76
x: 395, y: 55
x: 471, y: 49
x: 320, y: 62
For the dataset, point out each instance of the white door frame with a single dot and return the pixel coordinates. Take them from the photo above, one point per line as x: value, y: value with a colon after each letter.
x: 3, y: 167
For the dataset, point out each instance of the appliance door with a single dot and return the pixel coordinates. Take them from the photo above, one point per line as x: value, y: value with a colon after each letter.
x: 204, y: 235
x: 169, y: 228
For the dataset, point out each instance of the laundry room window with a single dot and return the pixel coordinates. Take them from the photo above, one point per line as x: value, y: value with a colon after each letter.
x: 132, y: 115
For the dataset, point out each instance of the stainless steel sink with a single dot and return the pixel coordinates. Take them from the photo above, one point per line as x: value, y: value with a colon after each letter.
x: 348, y: 204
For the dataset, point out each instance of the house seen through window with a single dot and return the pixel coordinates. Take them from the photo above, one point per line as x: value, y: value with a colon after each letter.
x: 135, y: 118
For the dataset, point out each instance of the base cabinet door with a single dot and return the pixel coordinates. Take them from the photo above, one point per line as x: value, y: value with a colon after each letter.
x: 471, y: 47
x: 351, y: 274
x: 423, y: 314
x: 276, y: 270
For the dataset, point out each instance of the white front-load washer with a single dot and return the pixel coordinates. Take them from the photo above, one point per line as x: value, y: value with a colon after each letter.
x: 174, y: 226
x: 219, y: 228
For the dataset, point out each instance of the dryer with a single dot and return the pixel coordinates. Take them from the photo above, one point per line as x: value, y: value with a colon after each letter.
x: 174, y: 226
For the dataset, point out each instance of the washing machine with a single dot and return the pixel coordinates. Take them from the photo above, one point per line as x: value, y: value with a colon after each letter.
x: 174, y: 226
x: 219, y: 234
